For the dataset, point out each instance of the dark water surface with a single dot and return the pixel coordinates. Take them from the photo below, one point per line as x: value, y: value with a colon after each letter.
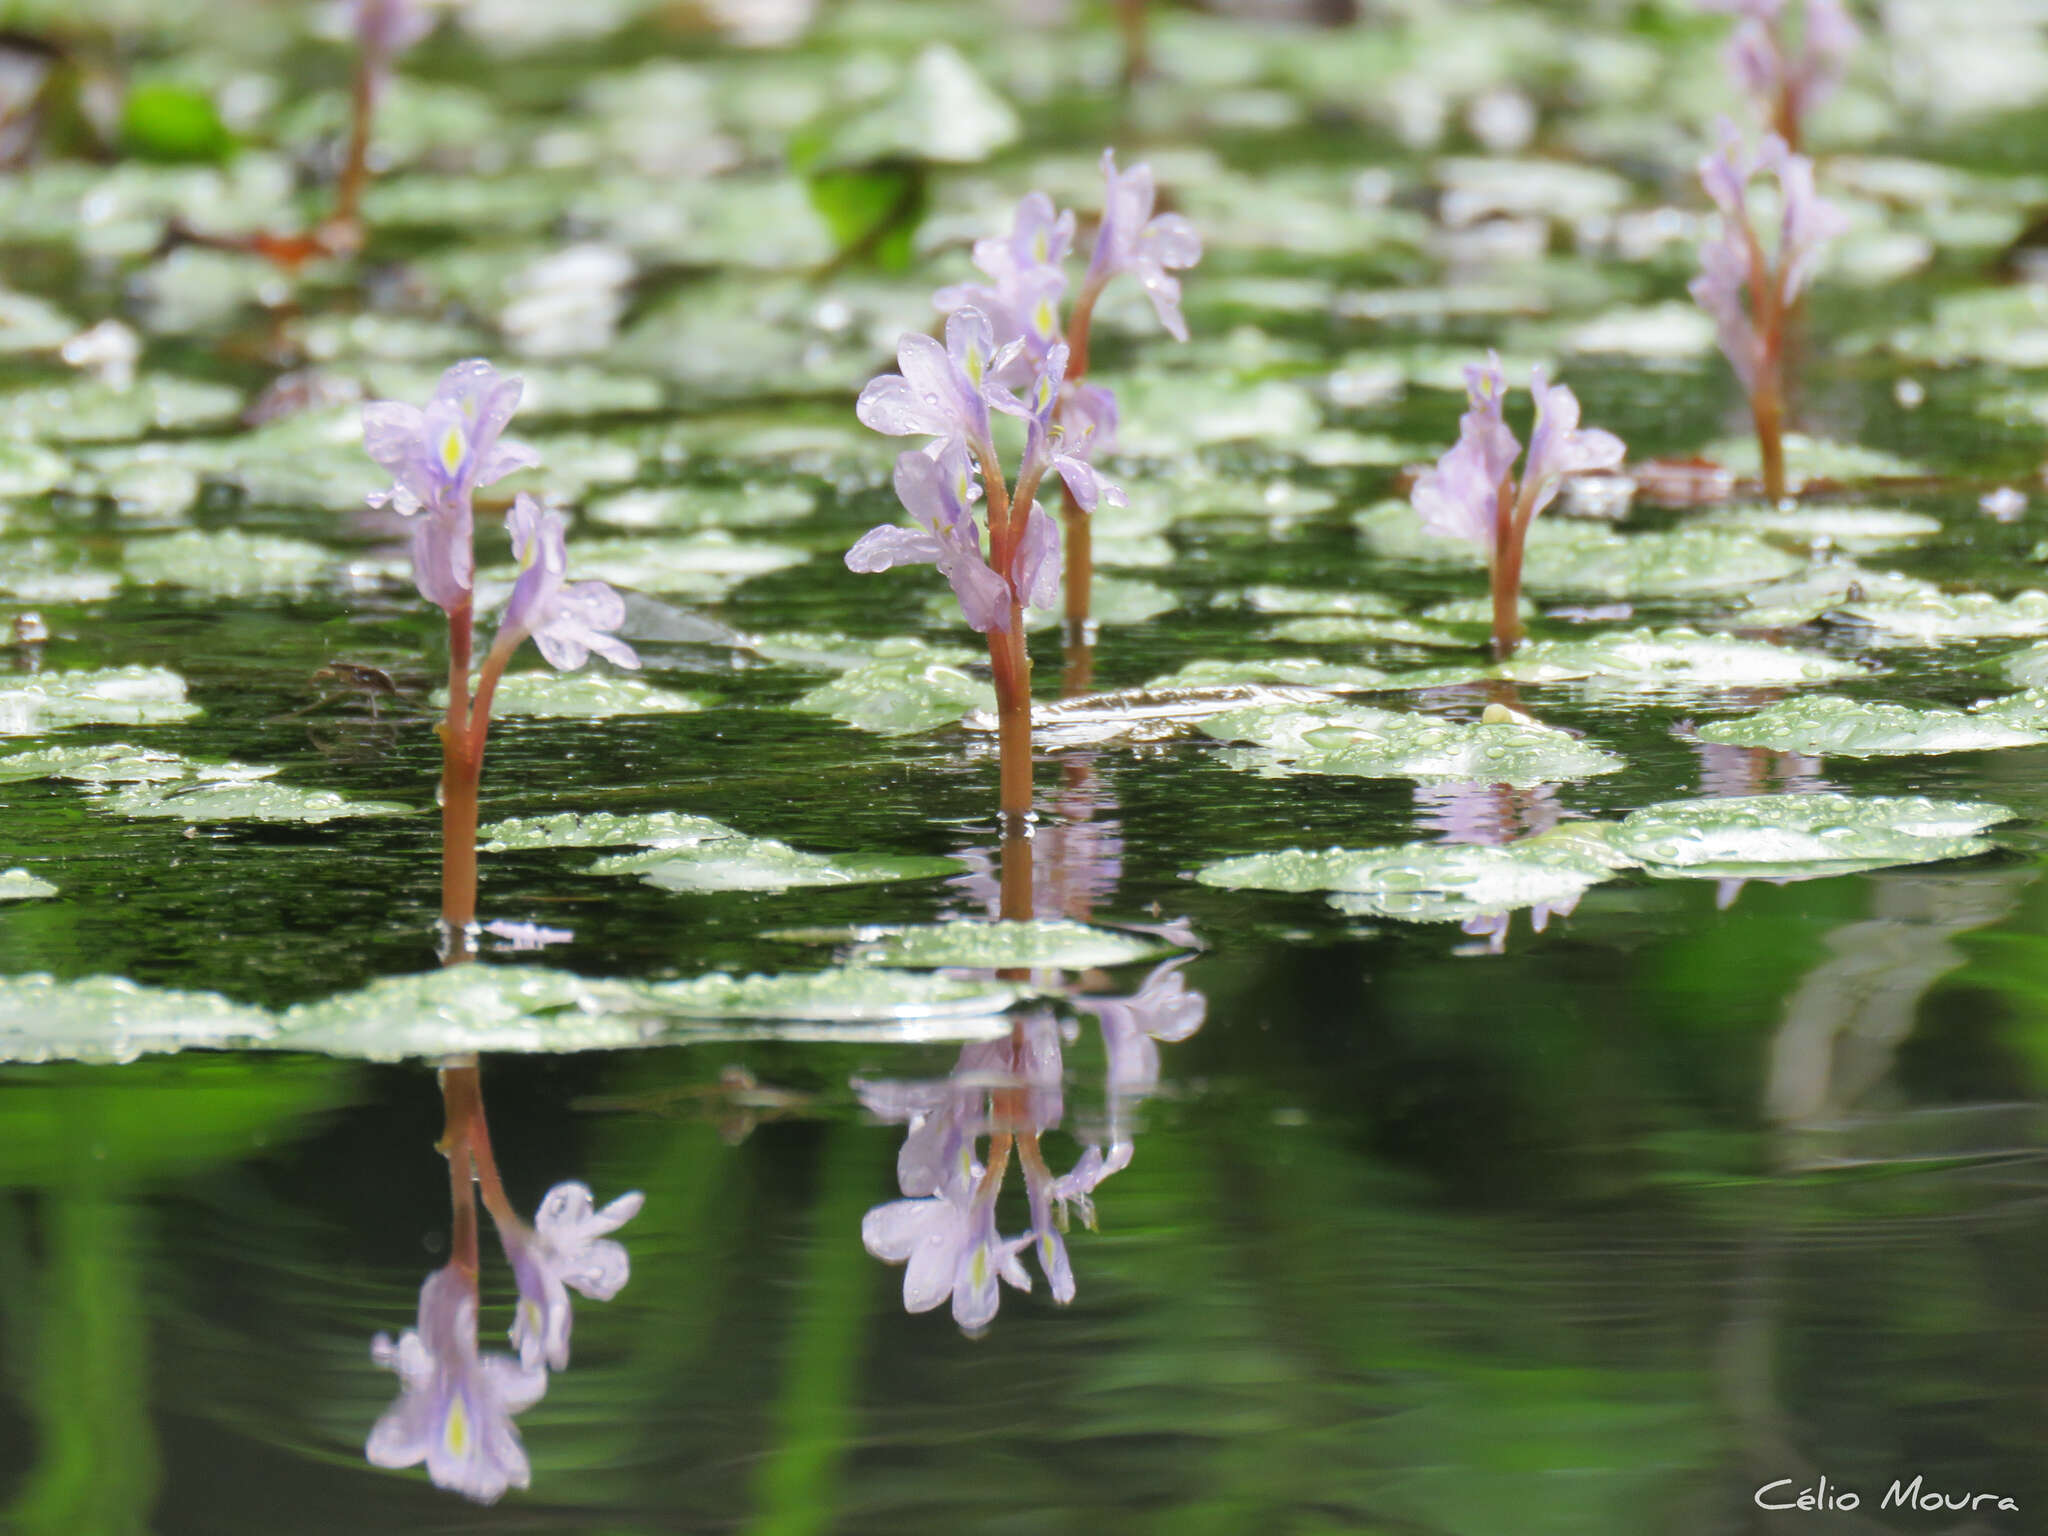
x: 1595, y: 1228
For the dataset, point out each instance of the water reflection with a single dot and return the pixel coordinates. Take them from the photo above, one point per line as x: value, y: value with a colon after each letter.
x: 1012, y: 1092
x: 456, y: 1404
x: 1494, y: 815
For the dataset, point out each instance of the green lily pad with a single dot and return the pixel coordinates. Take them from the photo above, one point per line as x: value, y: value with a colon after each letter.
x: 1045, y: 943
x: 943, y: 111
x: 30, y: 469
x: 845, y: 653
x: 679, y: 508
x: 583, y: 695
x: 1799, y: 837
x: 853, y: 994
x: 109, y: 1018
x: 1432, y: 882
x: 1297, y: 671
x: 50, y: 571
x: 1929, y: 618
x: 1827, y: 725
x: 1655, y: 333
x: 467, y: 1008
x: 1321, y: 603
x: 1821, y: 589
x: 1366, y: 630
x: 237, y: 793
x: 899, y: 695
x: 1355, y: 739
x: 742, y: 863
x: 2028, y: 668
x: 598, y: 829
x: 1860, y: 530
x: 86, y: 411
x: 20, y: 885
x: 1165, y: 414
x: 116, y: 763
x: 1812, y: 458
x: 706, y: 566
x: 227, y: 563
x: 1143, y: 714
x: 1674, y: 658
x: 50, y: 701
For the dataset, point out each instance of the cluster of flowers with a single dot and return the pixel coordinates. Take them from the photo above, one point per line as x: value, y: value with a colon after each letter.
x: 1010, y: 1092
x: 1006, y: 351
x: 455, y: 1404
x: 1787, y: 80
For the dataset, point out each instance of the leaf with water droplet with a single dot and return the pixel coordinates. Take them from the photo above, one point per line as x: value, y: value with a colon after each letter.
x: 1929, y: 618
x: 1797, y: 837
x: 899, y: 696
x: 1355, y: 739
x: 20, y: 885
x: 50, y: 701
x: 583, y: 695
x: 1043, y: 943
x: 226, y: 563
x: 109, y: 1018
x: 467, y: 1008
x: 862, y: 995
x: 1827, y: 725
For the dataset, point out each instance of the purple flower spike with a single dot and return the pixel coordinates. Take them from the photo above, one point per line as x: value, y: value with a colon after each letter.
x: 1046, y: 447
x: 1557, y: 446
x: 935, y: 490
x: 1460, y: 497
x: 1022, y: 296
x: 566, y: 622
x: 566, y: 1249
x: 1787, y: 84
x: 387, y: 28
x: 1133, y: 240
x: 455, y: 1407
x: 942, y: 391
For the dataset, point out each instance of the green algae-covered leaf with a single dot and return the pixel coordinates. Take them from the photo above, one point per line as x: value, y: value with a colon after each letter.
x: 1929, y: 618
x: 465, y: 1008
x: 109, y: 1018
x: 226, y: 563
x: 1355, y: 739
x: 585, y: 695
x: 29, y: 469
x: 1144, y: 714
x: 1179, y: 500
x: 1811, y: 458
x: 1164, y: 414
x: 1826, y: 725
x: 852, y: 994
x: 1654, y: 333
x: 900, y: 695
x: 1860, y: 530
x: 742, y: 863
x: 116, y: 763
x: 705, y: 566
x: 84, y: 410
x: 1800, y: 836
x: 681, y: 508
x: 241, y: 798
x: 1818, y: 590
x: 1675, y: 658
x: 49, y: 701
x: 52, y: 571
x: 1051, y: 942
x: 598, y: 829
x: 1368, y: 630
x: 1568, y: 556
x: 1319, y: 602
x: 20, y: 885
x: 845, y: 653
x: 1298, y: 671
x: 1432, y: 882
x: 943, y: 111
x: 2028, y: 668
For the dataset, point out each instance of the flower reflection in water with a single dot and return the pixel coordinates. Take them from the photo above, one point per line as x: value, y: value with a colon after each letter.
x: 1729, y: 773
x: 1494, y: 815
x: 1012, y: 1091
x: 455, y: 1406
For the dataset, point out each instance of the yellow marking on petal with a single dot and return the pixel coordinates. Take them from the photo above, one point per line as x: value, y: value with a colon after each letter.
x: 455, y: 1433
x: 1039, y: 249
x: 974, y: 364
x: 529, y: 1311
x: 977, y: 1272
x: 453, y: 446
x: 1044, y: 322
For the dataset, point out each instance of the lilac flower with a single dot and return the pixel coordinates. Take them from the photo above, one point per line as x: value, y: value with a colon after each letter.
x: 946, y: 1117
x: 1022, y: 296
x: 566, y: 622
x: 1045, y: 445
x: 455, y: 1408
x: 1735, y: 269
x: 950, y: 1248
x: 1133, y: 240
x: 437, y: 458
x: 1558, y: 447
x: 1460, y: 498
x: 935, y: 491
x: 942, y: 391
x: 565, y: 1248
x: 1788, y: 85
x: 1164, y: 1008
x: 387, y: 28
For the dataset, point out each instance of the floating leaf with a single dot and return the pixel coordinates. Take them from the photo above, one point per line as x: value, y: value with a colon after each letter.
x: 1928, y: 618
x: 675, y: 508
x: 109, y: 1018
x: 2028, y: 668
x: 1369, y: 630
x: 227, y: 563
x: 1165, y: 414
x: 1674, y: 658
x: 466, y: 1008
x: 742, y: 863
x: 1143, y: 714
x: 1355, y: 739
x: 84, y: 410
x: 1819, y: 590
x: 1860, y: 530
x: 46, y: 571
x: 599, y: 829
x: 1831, y: 726
x: 1297, y: 671
x: 237, y: 793
x: 115, y: 763
x: 49, y: 701
x: 1044, y: 943
x: 584, y: 695
x: 898, y: 696
x: 1433, y: 882
x: 853, y: 994
x: 1800, y: 836
x: 20, y: 885
x: 943, y: 111
x: 1810, y: 458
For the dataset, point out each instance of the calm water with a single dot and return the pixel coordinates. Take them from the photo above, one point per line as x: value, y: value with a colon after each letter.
x: 1595, y: 1228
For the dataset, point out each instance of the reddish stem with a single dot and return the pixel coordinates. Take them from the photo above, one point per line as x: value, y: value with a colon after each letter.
x: 1508, y: 534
